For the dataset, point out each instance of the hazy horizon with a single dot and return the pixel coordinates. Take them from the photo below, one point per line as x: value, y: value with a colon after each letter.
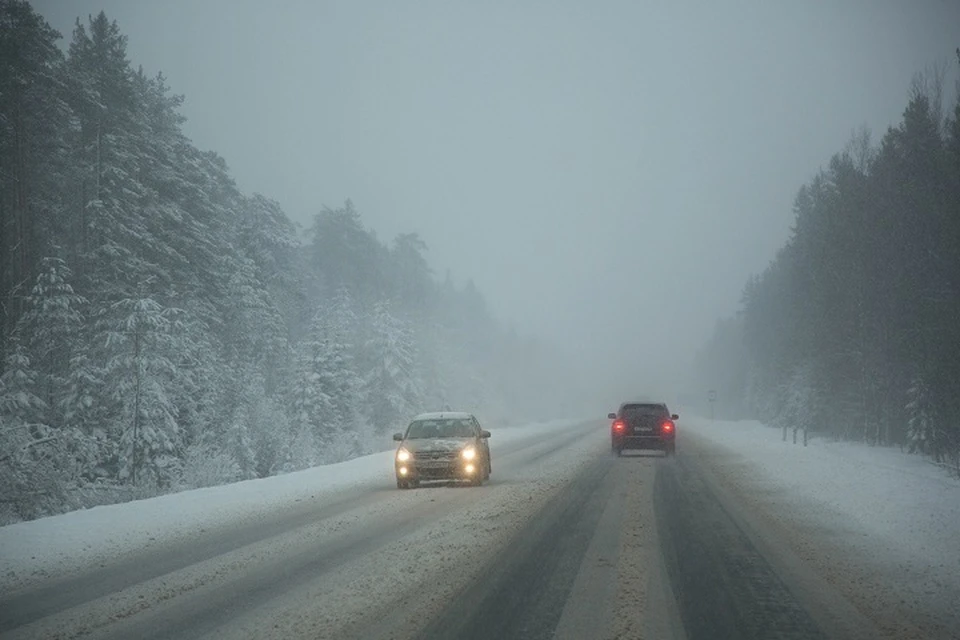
x: 609, y: 176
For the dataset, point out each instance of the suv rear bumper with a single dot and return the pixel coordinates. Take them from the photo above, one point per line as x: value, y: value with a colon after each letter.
x: 642, y: 442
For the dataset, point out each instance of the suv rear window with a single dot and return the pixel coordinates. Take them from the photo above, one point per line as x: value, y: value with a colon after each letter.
x: 449, y: 428
x: 636, y: 410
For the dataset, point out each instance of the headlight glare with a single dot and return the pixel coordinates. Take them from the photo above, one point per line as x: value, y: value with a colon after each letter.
x: 469, y: 453
x: 402, y: 455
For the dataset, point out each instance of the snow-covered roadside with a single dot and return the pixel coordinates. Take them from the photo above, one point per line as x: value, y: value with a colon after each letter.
x: 879, y: 491
x: 70, y: 542
x: 879, y: 524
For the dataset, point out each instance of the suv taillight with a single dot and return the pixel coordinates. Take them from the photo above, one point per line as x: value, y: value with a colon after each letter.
x: 619, y: 425
x: 667, y: 427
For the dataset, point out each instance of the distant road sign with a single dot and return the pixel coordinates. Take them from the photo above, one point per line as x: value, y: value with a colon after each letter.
x: 712, y: 395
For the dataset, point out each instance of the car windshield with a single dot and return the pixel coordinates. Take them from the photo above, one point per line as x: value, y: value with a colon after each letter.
x: 446, y: 428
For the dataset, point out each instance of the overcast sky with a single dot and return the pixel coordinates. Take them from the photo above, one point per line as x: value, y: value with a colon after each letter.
x: 609, y: 173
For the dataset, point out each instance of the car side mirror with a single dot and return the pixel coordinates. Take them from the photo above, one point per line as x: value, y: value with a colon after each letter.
x: 611, y: 416
x: 484, y: 434
x: 398, y: 437
x: 674, y: 417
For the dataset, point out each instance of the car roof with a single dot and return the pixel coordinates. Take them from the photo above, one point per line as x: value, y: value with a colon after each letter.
x: 660, y: 404
x: 444, y: 415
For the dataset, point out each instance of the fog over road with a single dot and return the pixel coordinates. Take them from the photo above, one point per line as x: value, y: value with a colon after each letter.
x: 565, y: 541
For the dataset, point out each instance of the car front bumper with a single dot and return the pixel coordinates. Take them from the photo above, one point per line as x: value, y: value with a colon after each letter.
x: 456, y: 469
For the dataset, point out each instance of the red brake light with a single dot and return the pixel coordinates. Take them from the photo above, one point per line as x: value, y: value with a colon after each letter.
x: 618, y: 425
x: 667, y: 426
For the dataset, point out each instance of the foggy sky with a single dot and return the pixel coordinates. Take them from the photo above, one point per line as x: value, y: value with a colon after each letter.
x: 608, y: 173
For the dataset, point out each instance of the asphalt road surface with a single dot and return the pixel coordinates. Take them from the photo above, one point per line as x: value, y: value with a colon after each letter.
x: 565, y: 541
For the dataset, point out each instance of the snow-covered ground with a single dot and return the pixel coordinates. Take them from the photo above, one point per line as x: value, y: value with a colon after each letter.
x: 882, y: 525
x: 880, y: 491
x: 74, y: 541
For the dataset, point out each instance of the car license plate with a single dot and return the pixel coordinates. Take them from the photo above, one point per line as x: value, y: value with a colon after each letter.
x: 433, y: 464
x: 642, y: 429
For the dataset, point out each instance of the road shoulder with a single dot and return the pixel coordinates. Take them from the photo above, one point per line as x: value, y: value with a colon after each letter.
x: 849, y: 594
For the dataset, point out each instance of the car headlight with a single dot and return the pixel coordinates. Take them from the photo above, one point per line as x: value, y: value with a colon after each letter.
x: 469, y: 453
x: 402, y: 455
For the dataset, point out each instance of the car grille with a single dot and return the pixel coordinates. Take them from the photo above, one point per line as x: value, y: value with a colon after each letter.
x: 434, y: 455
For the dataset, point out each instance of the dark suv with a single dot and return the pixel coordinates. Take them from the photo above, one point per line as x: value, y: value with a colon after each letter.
x: 442, y: 446
x: 643, y: 425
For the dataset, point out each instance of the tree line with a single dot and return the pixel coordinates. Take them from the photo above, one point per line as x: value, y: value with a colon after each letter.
x: 853, y: 330
x: 160, y: 329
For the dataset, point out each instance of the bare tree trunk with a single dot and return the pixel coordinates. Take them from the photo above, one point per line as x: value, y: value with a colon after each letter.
x: 14, y: 235
x: 6, y: 267
x: 84, y: 199
x: 99, y: 167
x: 5, y: 285
x: 21, y: 234
x: 136, y: 405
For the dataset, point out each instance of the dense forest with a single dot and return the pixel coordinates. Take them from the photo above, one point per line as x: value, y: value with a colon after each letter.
x: 853, y: 330
x: 160, y: 329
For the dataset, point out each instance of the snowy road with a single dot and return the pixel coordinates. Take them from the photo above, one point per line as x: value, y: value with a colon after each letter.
x: 565, y: 541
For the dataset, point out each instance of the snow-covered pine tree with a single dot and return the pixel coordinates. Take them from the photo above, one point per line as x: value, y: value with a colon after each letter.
x: 311, y: 407
x: 51, y: 330
x: 84, y: 414
x: 267, y: 236
x: 341, y: 317
x: 268, y: 428
x: 33, y: 122
x: 391, y: 389
x: 333, y: 362
x: 922, y: 421
x: 114, y: 233
x: 31, y: 452
x: 438, y: 363
x: 238, y: 444
x: 254, y: 331
x: 207, y: 465
x: 800, y: 404
x: 345, y: 254
x: 140, y: 377
x: 410, y: 273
